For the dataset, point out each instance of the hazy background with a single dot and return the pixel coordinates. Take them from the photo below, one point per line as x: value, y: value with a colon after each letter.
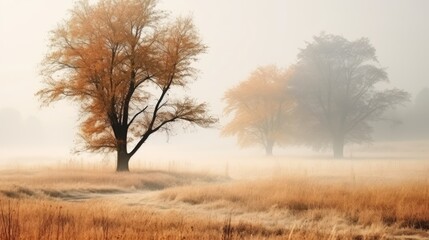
x: 241, y: 35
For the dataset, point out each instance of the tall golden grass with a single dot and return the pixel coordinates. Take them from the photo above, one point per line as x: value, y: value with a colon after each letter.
x: 46, y: 220
x: 352, y: 202
x: 391, y: 206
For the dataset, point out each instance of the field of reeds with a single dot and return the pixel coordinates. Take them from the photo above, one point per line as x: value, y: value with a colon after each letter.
x: 275, y: 198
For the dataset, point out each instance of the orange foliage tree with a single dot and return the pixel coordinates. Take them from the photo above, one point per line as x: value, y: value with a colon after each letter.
x: 261, y: 109
x: 119, y: 60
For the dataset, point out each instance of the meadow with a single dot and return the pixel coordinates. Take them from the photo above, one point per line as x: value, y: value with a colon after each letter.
x: 238, y: 198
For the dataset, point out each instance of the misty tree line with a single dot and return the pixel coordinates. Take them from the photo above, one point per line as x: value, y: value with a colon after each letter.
x: 122, y: 62
x: 328, y: 98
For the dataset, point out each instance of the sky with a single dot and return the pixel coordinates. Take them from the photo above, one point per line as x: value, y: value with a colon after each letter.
x: 240, y: 34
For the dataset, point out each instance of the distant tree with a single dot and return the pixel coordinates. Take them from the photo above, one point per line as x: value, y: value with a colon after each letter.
x: 422, y: 102
x: 336, y: 87
x: 418, y: 119
x: 119, y: 60
x: 261, y: 109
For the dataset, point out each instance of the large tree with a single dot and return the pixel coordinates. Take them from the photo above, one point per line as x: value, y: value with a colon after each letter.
x: 261, y: 109
x: 119, y: 60
x: 338, y: 87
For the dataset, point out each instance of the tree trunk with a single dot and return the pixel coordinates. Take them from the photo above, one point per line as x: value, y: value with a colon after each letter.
x: 338, y: 147
x: 123, y: 159
x: 269, y: 149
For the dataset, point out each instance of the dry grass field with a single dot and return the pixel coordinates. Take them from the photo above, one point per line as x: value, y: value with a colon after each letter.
x: 267, y: 198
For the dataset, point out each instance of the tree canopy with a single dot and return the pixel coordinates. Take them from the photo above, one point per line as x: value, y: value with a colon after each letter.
x: 337, y: 84
x: 119, y: 61
x: 261, y: 109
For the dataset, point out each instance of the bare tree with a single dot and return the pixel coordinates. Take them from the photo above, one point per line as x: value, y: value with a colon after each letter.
x: 336, y: 84
x: 119, y: 60
x: 261, y: 109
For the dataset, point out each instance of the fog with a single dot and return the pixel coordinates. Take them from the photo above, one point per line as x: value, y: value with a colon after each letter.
x: 241, y: 35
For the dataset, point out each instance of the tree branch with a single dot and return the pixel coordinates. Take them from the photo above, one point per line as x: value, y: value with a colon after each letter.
x: 135, y: 116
